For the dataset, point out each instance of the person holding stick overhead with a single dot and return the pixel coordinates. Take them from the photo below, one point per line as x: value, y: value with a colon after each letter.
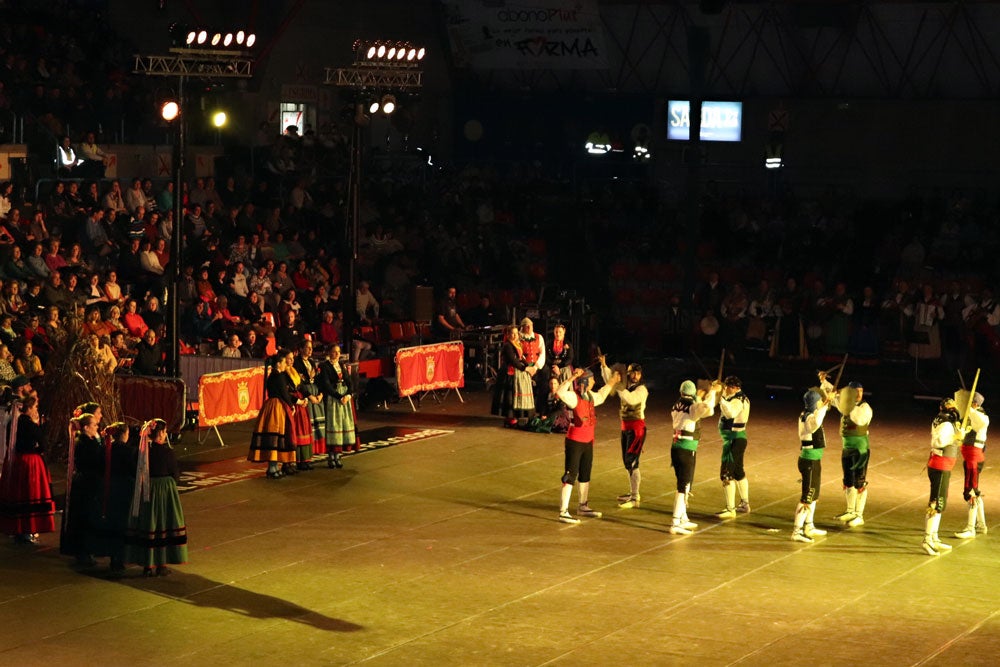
x: 577, y: 394
x: 973, y: 447
x: 687, y: 413
x: 812, y: 442
x: 633, y: 395
x: 855, y: 419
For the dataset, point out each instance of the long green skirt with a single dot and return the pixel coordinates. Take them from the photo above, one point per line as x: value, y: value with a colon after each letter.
x: 158, y: 536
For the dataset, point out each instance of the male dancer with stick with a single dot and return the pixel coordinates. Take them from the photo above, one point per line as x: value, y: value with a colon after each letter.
x: 687, y: 414
x: 973, y: 447
x: 946, y: 433
x: 812, y: 442
x: 633, y: 397
x: 734, y: 409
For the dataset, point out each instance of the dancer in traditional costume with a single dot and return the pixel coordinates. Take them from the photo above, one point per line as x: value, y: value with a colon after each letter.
x: 157, y: 535
x: 632, y: 411
x: 86, y: 481
x: 687, y: 413
x: 855, y: 418
x: 339, y: 430
x: 812, y: 442
x: 301, y: 425
x: 117, y: 500
x: 26, y: 505
x: 945, y: 439
x: 513, y: 395
x: 272, y: 441
x: 310, y: 391
x: 578, y: 396
x: 734, y: 409
x: 973, y: 449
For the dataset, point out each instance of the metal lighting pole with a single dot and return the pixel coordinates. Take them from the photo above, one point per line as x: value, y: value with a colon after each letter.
x: 181, y: 63
x: 374, y: 77
x: 177, y: 238
x: 352, y: 227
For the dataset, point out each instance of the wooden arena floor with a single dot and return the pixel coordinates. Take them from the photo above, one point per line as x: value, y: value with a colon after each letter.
x: 446, y: 551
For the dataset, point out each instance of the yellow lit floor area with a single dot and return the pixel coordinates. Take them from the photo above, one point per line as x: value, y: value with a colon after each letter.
x: 446, y: 550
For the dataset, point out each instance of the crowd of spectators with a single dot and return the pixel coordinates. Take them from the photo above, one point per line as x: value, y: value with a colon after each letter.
x: 264, y: 249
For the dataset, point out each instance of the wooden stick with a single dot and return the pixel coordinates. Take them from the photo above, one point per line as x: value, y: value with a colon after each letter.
x: 968, y: 406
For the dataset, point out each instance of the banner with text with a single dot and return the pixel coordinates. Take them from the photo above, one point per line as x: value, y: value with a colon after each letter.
x: 230, y: 396
x: 530, y: 34
x: 428, y: 367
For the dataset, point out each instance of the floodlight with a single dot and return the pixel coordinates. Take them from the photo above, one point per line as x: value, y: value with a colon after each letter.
x: 216, y: 38
x: 251, y: 40
x: 228, y: 40
x: 388, y: 104
x: 219, y: 119
x: 240, y: 36
x: 202, y: 36
x: 170, y: 110
x: 421, y: 52
x: 381, y: 50
x: 191, y: 36
x: 373, y: 106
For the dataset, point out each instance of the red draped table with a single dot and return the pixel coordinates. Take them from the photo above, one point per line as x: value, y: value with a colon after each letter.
x: 429, y: 368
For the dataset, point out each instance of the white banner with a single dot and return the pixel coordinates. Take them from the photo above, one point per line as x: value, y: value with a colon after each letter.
x: 530, y: 34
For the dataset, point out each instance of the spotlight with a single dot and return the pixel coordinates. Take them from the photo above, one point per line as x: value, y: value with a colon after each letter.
x: 228, y: 40
x: 251, y: 40
x: 191, y: 36
x: 240, y: 36
x: 421, y: 52
x: 170, y: 110
x: 373, y: 106
x: 391, y: 53
x: 411, y: 54
x: 401, y: 52
x: 216, y: 38
x: 219, y: 118
x: 388, y: 104
x: 381, y: 50
x: 371, y: 52
x: 202, y: 36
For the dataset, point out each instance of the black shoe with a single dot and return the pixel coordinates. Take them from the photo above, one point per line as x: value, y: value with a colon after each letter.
x: 147, y: 572
x: 163, y: 571
x: 330, y: 463
x: 274, y: 474
x: 289, y: 469
x: 304, y: 465
x: 338, y: 462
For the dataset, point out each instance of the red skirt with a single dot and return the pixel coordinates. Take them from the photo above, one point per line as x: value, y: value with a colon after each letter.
x: 26, y: 504
x: 302, y: 433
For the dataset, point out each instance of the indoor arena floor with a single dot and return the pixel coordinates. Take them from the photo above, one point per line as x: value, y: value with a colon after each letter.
x: 446, y: 551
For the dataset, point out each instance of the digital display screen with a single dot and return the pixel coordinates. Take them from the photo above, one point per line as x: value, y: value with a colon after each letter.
x: 720, y: 121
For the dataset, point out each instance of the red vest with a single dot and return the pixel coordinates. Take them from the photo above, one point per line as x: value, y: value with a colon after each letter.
x: 531, y: 350
x: 581, y: 429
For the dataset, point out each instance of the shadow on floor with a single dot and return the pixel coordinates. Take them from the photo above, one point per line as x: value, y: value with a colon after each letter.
x: 196, y: 590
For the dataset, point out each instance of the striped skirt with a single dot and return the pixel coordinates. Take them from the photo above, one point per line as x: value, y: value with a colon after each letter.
x: 271, y: 441
x: 158, y: 536
x: 340, y: 433
x: 317, y: 421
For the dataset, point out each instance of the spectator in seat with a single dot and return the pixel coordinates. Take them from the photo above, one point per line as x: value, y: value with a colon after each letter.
x: 95, y: 160
x: 148, y: 356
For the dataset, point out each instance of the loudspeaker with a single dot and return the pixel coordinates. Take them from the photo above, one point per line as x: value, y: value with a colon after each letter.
x: 423, y: 303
